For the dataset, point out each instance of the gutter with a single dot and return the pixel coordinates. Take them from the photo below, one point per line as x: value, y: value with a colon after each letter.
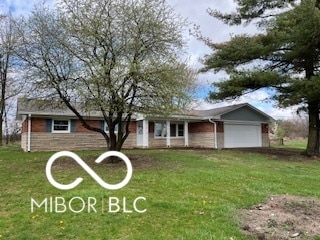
x: 29, y: 133
x: 215, y: 133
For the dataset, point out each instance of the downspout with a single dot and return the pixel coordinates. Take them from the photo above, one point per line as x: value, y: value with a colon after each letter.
x: 29, y: 133
x: 215, y: 133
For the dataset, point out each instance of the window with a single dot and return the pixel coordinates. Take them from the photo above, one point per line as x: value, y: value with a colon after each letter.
x: 60, y: 125
x: 176, y: 130
x: 180, y: 130
x: 160, y: 130
x: 106, y: 128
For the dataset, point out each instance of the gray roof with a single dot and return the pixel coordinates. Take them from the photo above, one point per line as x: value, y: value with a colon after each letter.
x: 39, y: 107
x: 216, y: 113
x: 57, y: 108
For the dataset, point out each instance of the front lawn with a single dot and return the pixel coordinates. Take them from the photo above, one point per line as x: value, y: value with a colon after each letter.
x: 292, y: 143
x: 190, y: 194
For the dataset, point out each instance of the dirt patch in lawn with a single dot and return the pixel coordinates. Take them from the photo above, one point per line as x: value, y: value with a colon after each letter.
x: 282, y: 217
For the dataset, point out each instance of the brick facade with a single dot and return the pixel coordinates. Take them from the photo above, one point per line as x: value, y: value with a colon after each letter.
x: 81, y: 129
x: 201, y: 127
x: 220, y: 126
x: 39, y: 125
x: 201, y: 134
x: 264, y: 128
x: 81, y: 139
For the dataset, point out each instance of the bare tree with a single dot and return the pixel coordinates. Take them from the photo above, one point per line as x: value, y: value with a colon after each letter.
x: 12, y: 128
x: 295, y: 128
x: 8, y: 85
x: 115, y: 57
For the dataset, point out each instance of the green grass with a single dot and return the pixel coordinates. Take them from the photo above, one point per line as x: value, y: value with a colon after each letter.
x: 191, y: 194
x: 292, y: 143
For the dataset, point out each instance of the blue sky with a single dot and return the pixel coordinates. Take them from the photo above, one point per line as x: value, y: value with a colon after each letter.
x: 195, y: 12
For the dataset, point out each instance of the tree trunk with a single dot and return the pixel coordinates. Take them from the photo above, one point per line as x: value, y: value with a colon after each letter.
x: 1, y: 132
x: 118, y: 138
x: 6, y: 127
x: 314, y: 124
x: 2, y: 102
x: 113, y: 146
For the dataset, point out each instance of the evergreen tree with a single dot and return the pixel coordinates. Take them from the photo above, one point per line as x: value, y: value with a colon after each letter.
x: 283, y: 57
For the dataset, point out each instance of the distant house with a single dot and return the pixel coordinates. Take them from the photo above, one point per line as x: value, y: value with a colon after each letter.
x: 47, y: 128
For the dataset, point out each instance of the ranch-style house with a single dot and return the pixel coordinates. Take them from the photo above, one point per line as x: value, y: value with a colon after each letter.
x: 47, y: 128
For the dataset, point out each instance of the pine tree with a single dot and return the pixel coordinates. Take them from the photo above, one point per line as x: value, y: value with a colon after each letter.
x: 283, y: 57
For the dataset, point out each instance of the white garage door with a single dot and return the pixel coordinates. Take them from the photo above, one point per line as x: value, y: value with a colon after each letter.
x: 242, y: 135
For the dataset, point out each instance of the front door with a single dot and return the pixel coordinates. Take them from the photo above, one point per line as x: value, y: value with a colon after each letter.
x: 140, y: 133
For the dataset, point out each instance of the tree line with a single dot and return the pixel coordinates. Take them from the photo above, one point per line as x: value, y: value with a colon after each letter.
x: 296, y: 128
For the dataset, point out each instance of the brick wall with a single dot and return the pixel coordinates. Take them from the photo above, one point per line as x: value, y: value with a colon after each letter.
x: 200, y: 127
x: 97, y: 123
x: 201, y: 134
x: 39, y: 125
x: 81, y: 129
x: 196, y: 127
x: 264, y: 127
x: 220, y: 126
x: 81, y: 139
x: 24, y: 127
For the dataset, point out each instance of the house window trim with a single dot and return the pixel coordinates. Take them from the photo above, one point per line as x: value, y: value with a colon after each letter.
x: 171, y: 123
x: 107, y: 131
x: 61, y: 131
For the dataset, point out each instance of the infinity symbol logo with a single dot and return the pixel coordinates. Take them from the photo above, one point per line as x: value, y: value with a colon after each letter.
x: 88, y: 170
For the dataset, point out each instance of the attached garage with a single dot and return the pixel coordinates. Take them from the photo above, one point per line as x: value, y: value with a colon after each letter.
x: 242, y: 135
x: 238, y: 126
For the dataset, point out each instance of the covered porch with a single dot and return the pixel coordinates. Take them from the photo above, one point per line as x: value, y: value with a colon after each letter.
x: 162, y: 133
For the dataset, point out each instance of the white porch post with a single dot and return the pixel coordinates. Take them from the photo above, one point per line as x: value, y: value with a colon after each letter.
x: 145, y: 138
x: 186, y: 134
x: 29, y: 134
x: 168, y: 134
